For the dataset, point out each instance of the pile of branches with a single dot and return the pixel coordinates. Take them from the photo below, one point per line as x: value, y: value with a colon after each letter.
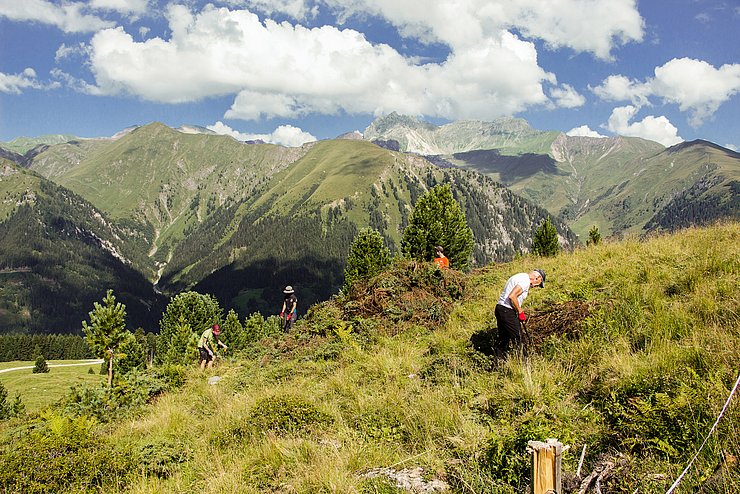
x: 412, y: 291
x: 561, y: 320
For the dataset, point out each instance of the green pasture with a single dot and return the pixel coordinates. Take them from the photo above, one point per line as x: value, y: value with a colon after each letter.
x: 40, y: 390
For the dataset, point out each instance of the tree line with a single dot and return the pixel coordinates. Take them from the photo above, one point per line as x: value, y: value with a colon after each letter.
x: 51, y: 346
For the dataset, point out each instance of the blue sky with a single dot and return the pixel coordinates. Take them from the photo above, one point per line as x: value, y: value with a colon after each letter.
x: 291, y: 71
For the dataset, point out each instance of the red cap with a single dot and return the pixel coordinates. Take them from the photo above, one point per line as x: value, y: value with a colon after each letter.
x: 216, y: 329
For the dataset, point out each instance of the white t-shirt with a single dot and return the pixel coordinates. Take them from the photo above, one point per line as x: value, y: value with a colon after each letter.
x: 521, y: 279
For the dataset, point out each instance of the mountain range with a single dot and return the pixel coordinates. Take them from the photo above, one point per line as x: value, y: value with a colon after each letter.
x: 153, y: 210
x: 622, y: 185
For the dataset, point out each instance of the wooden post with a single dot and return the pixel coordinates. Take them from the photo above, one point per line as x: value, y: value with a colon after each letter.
x: 546, y: 465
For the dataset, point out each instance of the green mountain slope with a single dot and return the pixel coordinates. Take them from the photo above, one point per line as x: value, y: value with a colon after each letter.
x: 297, y: 228
x: 621, y: 185
x: 22, y: 145
x: 58, y: 255
x: 162, y: 182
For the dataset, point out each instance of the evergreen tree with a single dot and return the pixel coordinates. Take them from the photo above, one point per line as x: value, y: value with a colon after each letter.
x: 40, y: 366
x: 437, y: 219
x: 106, y: 331
x: 594, y: 236
x: 367, y: 257
x: 546, y: 240
x: 9, y: 409
x: 131, y: 355
x: 233, y: 332
x: 199, y: 312
x: 257, y: 327
x: 181, y: 348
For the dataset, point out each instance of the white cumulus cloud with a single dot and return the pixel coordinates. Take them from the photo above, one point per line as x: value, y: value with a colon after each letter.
x: 218, y: 51
x: 285, y: 135
x: 594, y: 26
x: 567, y: 97
x: 583, y: 131
x: 69, y: 16
x: 658, y: 129
x: 695, y: 86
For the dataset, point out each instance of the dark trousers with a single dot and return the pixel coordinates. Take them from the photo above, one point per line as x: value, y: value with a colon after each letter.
x: 509, y: 328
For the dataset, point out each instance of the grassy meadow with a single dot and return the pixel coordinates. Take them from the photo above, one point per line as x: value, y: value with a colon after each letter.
x: 637, y: 350
x: 41, y: 390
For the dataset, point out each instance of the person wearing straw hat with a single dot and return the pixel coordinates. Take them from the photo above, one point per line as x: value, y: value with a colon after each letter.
x: 289, y: 313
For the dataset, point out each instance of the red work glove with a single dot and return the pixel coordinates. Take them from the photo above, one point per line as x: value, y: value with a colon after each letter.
x: 281, y: 314
x: 522, y: 317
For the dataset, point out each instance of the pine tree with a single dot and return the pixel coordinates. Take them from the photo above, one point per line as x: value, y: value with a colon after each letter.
x: 182, y: 344
x: 594, y: 236
x: 368, y: 256
x: 7, y: 408
x: 198, y: 311
x: 40, y: 366
x: 546, y: 240
x: 233, y: 332
x: 107, y: 330
x: 131, y: 355
x: 437, y: 219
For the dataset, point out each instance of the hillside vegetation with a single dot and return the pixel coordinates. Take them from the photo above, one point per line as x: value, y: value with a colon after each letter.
x: 634, y: 350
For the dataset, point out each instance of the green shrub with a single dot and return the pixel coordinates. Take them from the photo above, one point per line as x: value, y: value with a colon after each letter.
x: 9, y: 409
x: 285, y: 414
x: 323, y: 317
x: 163, y: 457
x: 506, y: 456
x: 658, y: 410
x: 129, y: 392
x: 382, y: 424
x: 60, y: 455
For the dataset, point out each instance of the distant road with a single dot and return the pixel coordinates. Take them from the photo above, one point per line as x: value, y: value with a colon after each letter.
x: 88, y: 362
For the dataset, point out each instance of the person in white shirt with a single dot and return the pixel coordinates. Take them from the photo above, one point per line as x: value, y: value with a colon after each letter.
x: 509, y: 312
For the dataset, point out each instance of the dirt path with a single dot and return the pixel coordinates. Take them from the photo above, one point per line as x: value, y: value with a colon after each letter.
x: 88, y: 362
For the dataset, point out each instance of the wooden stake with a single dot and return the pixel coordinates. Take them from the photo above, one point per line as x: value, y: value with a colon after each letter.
x: 546, y: 466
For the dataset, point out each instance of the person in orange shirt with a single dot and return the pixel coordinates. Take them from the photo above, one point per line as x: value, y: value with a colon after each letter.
x: 440, y: 259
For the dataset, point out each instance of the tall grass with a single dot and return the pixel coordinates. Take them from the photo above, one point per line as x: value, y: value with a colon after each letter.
x: 641, y: 385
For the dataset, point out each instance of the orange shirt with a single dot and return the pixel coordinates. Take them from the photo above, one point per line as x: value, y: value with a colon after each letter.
x: 442, y: 262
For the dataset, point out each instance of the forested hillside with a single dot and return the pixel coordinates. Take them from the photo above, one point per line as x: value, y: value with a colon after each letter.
x: 622, y: 185
x: 58, y: 255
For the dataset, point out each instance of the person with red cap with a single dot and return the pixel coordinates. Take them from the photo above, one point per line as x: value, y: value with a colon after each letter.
x: 207, y: 346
